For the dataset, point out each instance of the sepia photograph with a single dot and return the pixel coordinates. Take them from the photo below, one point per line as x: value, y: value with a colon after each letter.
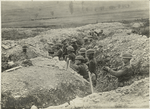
x: 75, y: 54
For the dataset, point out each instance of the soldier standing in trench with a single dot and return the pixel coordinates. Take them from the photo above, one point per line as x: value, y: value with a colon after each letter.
x: 82, y: 52
x: 50, y: 49
x: 92, y: 64
x: 64, y: 48
x: 74, y: 45
x: 124, y: 73
x: 80, y: 67
x: 71, y: 56
x: 59, y: 52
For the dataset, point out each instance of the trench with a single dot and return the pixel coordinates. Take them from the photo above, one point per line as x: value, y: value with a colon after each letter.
x: 67, y: 91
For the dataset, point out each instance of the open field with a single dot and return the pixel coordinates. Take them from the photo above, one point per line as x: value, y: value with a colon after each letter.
x: 48, y: 14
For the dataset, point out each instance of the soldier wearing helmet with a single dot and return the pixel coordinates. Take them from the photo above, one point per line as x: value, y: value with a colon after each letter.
x: 82, y: 52
x: 124, y: 73
x: 85, y: 40
x: 80, y: 67
x: 59, y: 52
x: 71, y: 56
x: 51, y: 49
x: 92, y: 64
x: 74, y: 45
x: 64, y: 48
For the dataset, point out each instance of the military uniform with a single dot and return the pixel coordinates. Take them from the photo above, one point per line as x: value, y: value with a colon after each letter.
x: 75, y: 47
x: 82, y: 52
x: 4, y: 62
x: 59, y: 53
x: 92, y: 64
x: 81, y: 68
x: 64, y: 49
x: 70, y: 55
x: 124, y: 74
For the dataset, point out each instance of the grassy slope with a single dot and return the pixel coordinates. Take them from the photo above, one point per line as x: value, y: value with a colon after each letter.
x: 19, y: 14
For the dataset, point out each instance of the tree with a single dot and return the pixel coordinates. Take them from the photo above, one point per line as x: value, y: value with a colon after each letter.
x: 71, y: 7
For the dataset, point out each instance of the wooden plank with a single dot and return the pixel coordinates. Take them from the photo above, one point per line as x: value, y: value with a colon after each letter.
x: 13, y: 68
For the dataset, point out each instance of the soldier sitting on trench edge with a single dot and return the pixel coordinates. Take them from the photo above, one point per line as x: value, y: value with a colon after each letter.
x: 125, y: 72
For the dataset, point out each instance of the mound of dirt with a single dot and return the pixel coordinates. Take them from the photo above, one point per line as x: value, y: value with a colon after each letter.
x: 133, y: 96
x: 43, y: 83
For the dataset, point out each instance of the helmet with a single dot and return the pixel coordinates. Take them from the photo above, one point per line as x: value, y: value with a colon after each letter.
x: 90, y: 51
x: 50, y: 43
x: 85, y: 38
x: 58, y: 46
x: 3, y: 53
x: 82, y: 50
x: 126, y: 56
x: 79, y: 57
x: 73, y: 40
x: 24, y: 47
x: 89, y: 36
x: 90, y: 46
x: 96, y: 47
x: 70, y: 48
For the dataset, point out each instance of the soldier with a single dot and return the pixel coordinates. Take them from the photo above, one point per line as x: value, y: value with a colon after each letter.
x: 90, y: 39
x: 92, y: 64
x: 124, y: 73
x: 59, y: 52
x: 24, y: 50
x: 64, y: 48
x: 50, y: 49
x: 4, y: 61
x: 71, y: 56
x: 82, y: 52
x: 80, y: 67
x: 74, y: 45
x: 85, y: 40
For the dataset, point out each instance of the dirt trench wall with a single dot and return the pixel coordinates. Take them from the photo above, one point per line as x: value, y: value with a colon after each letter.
x: 43, y: 83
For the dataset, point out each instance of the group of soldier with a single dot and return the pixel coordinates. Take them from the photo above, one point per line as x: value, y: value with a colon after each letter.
x: 83, y: 61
